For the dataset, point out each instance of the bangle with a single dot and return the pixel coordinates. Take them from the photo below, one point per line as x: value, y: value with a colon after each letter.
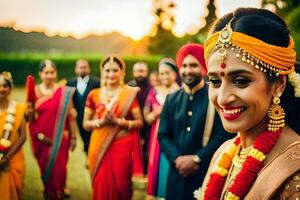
x: 129, y: 124
x: 151, y: 116
x: 40, y: 136
x: 96, y: 123
x: 121, y: 121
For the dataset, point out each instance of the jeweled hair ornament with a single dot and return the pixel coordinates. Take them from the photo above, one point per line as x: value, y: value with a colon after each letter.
x: 268, y: 58
x: 265, y: 57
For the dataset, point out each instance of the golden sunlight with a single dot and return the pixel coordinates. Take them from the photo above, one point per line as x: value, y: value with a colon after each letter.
x: 132, y: 18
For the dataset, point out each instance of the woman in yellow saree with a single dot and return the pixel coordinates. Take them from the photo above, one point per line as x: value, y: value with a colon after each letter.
x: 112, y: 113
x: 12, y: 137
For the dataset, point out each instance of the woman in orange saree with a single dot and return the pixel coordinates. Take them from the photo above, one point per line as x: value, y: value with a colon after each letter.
x: 112, y: 113
x: 12, y: 137
x: 52, y: 130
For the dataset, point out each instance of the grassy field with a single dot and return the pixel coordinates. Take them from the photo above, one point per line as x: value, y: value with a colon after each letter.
x: 78, y: 178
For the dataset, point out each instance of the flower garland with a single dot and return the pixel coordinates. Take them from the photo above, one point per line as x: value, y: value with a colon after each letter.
x: 8, y: 127
x: 250, y: 168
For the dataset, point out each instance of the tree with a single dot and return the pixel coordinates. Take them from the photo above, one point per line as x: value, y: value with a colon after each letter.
x: 211, y: 16
x: 290, y: 11
x: 163, y: 42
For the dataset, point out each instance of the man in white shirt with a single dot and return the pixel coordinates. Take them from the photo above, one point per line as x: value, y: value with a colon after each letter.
x: 83, y: 83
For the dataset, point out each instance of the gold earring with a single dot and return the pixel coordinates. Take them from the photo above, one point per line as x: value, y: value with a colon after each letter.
x: 276, y: 115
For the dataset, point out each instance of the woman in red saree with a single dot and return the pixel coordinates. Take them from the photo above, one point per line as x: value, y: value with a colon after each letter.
x: 52, y: 129
x: 12, y: 137
x: 112, y: 113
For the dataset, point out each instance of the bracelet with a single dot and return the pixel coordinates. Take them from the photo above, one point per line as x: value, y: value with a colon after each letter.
x: 121, y: 121
x: 96, y: 124
x: 129, y: 124
x: 40, y: 136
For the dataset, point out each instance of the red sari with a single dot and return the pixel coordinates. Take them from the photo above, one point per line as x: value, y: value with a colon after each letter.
x: 53, y: 122
x: 112, y: 160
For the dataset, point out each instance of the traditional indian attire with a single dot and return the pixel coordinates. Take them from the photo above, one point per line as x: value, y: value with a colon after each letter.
x: 113, y: 160
x: 12, y: 179
x: 189, y: 126
x: 158, y: 167
x: 271, y: 167
x: 281, y: 169
x: 145, y: 88
x: 53, y: 121
x: 181, y: 132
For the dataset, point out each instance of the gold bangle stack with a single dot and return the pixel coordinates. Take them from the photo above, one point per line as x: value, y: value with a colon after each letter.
x: 151, y: 117
x: 123, y: 122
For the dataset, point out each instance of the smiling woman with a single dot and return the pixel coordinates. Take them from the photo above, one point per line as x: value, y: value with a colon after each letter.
x: 12, y: 137
x: 113, y: 114
x: 250, y: 61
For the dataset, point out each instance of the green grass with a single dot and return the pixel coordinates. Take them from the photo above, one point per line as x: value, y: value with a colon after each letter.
x: 78, y: 178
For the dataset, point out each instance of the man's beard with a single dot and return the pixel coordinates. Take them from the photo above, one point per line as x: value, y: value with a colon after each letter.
x: 195, y: 80
x: 83, y: 75
x: 141, y: 80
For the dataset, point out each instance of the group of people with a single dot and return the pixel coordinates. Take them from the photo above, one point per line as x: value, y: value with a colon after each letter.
x: 220, y: 122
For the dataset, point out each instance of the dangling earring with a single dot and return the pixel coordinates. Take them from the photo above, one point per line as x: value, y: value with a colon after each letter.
x: 276, y: 115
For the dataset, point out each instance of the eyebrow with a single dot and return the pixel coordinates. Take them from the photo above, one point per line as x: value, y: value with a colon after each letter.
x: 232, y: 73
x: 191, y: 63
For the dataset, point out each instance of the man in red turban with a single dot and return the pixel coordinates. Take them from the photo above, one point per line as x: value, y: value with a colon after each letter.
x: 189, y: 131
x: 195, y: 50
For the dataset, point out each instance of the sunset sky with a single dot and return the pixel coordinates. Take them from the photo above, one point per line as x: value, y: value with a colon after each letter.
x: 132, y: 18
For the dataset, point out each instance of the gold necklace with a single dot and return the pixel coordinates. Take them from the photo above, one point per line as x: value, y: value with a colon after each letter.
x: 109, y: 97
x: 237, y: 164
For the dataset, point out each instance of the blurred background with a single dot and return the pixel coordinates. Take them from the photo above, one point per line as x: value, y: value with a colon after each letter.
x: 65, y: 30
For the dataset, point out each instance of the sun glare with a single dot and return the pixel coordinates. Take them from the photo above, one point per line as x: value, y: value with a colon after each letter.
x: 132, y: 18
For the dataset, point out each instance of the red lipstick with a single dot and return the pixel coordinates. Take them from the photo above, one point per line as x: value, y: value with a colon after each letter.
x: 232, y: 113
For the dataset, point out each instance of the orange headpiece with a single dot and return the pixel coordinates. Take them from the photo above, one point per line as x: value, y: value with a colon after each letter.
x: 264, y: 56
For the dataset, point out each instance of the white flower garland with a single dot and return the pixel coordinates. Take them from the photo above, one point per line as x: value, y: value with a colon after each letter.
x: 294, y: 79
x: 5, y: 143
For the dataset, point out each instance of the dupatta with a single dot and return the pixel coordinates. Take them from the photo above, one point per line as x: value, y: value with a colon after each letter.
x: 53, y: 110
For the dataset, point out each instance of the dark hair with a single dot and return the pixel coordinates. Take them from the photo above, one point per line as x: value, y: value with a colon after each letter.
x: 172, y: 64
x: 44, y: 63
x: 115, y: 59
x: 7, y: 78
x: 270, y: 28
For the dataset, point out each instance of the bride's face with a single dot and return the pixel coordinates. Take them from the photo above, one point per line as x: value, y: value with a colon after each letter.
x: 242, y: 95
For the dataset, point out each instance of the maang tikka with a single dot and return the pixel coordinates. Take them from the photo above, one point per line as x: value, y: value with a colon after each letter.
x: 224, y: 40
